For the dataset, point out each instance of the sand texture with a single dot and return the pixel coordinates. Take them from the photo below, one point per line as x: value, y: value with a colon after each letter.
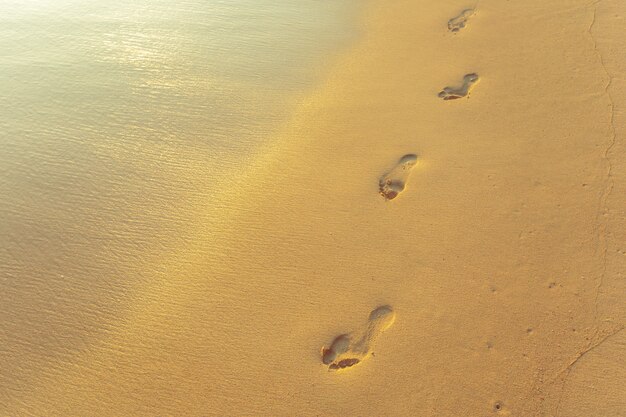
x: 390, y: 253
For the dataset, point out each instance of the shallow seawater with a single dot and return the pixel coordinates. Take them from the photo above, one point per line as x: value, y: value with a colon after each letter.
x: 199, y: 73
x: 114, y: 116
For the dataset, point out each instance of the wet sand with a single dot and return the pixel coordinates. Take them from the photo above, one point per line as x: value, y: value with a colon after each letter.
x: 500, y: 255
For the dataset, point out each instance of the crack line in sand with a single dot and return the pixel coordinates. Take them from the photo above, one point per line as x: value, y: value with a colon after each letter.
x: 608, y: 188
x: 603, y: 243
x: 592, y: 347
x: 568, y: 369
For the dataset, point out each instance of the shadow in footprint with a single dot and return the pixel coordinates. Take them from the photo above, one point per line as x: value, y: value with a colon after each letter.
x: 452, y: 93
x: 393, y: 182
x: 457, y: 23
x: 348, y: 350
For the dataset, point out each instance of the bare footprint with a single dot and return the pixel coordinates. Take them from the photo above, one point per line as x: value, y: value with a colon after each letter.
x: 457, y: 23
x: 451, y: 93
x: 393, y: 183
x: 350, y: 349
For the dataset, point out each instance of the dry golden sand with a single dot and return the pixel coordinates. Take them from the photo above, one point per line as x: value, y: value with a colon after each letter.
x: 503, y: 258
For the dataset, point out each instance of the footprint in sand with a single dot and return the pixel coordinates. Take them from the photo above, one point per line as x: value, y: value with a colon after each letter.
x: 457, y: 23
x: 451, y: 93
x: 393, y: 183
x: 349, y: 349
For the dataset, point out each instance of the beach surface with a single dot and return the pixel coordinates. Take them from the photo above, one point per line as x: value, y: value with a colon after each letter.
x: 388, y: 252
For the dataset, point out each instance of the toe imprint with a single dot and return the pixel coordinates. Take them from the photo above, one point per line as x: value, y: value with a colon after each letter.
x: 344, y: 363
